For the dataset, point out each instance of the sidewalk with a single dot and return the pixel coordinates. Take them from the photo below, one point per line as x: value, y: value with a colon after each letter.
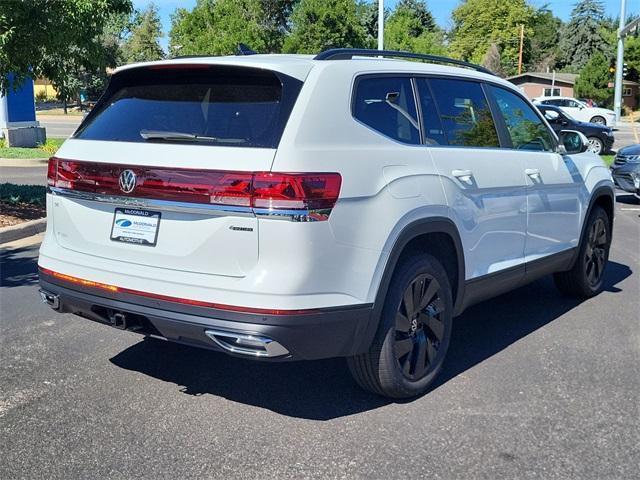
x: 23, y: 162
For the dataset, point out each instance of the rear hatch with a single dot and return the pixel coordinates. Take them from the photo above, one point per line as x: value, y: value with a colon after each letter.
x: 160, y: 172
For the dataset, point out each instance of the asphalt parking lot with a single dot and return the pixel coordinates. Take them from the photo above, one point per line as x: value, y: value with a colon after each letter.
x: 536, y: 386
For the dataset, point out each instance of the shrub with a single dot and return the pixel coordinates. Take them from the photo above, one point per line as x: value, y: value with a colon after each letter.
x: 50, y: 147
x: 41, y: 96
x: 33, y: 194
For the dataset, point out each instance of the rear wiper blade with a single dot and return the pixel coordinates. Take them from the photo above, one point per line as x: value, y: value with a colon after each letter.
x: 181, y: 136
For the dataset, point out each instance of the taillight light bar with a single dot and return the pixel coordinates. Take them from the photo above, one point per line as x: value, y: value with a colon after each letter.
x: 270, y: 191
x: 167, y: 298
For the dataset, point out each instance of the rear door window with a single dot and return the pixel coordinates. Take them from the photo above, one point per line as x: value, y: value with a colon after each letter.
x: 215, y: 105
x: 387, y: 105
x: 464, y: 112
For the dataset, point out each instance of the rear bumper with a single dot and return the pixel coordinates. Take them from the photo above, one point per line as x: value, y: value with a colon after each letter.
x: 323, y: 333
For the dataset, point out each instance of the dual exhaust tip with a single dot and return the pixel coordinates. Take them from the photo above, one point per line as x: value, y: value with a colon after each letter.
x: 247, y: 344
x: 234, y: 342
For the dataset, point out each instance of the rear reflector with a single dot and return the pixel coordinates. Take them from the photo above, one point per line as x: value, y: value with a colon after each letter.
x: 184, y: 301
x: 264, y: 190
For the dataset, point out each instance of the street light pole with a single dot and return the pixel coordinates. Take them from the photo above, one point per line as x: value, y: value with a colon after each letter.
x: 380, y: 24
x: 617, y: 96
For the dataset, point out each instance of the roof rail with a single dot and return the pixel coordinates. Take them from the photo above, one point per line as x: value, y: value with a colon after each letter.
x: 349, y: 53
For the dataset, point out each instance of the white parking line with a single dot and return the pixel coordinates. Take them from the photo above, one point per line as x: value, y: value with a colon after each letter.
x: 630, y: 209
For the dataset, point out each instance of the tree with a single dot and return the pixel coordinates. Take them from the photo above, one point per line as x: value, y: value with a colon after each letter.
x: 276, y: 22
x: 420, y: 10
x: 492, y: 60
x: 216, y: 27
x: 593, y: 79
x: 36, y: 35
x: 367, y: 13
x: 545, y: 40
x: 582, y: 36
x: 143, y: 44
x: 479, y: 23
x: 609, y: 31
x: 411, y: 27
x: 321, y: 24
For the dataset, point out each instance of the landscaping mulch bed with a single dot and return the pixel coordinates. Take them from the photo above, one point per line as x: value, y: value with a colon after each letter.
x: 15, y: 213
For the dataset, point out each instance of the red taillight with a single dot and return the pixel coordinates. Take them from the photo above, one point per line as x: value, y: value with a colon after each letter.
x: 52, y: 168
x: 308, y: 191
x: 260, y: 190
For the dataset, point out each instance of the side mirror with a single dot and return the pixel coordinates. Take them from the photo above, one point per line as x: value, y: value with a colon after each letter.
x: 572, y: 142
x: 551, y: 115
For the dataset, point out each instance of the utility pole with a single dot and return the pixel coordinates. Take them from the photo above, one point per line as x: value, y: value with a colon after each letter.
x: 380, y: 24
x: 617, y: 96
x: 521, y: 46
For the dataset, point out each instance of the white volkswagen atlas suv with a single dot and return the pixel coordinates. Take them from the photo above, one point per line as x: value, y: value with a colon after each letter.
x: 289, y: 207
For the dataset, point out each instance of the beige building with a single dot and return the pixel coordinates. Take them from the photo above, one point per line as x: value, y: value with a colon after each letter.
x: 540, y: 84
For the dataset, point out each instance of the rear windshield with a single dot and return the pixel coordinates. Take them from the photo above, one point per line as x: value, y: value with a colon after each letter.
x: 209, y: 105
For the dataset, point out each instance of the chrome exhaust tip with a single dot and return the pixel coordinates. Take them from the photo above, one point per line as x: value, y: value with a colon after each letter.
x: 246, y: 344
x: 50, y: 299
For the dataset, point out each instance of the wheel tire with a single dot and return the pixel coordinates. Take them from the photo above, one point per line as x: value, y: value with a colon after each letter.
x: 598, y: 120
x: 408, y: 350
x: 595, y: 145
x: 586, y: 277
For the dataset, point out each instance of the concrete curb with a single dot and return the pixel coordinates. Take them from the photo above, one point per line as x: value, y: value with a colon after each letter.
x: 23, y: 162
x: 22, y: 230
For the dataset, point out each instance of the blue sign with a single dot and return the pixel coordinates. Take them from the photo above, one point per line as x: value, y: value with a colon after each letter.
x: 18, y: 105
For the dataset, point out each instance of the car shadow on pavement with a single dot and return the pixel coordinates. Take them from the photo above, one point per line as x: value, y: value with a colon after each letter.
x: 323, y: 390
x: 17, y: 267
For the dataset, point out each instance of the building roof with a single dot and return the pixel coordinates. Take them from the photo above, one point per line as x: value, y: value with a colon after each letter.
x: 569, y: 78
x: 560, y: 77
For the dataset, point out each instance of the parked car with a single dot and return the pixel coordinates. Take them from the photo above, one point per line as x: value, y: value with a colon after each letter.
x: 626, y: 169
x: 600, y: 137
x: 288, y: 207
x: 579, y: 110
x: 589, y: 102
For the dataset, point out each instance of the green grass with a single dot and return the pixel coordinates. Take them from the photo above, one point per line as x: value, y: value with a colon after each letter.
x: 44, y: 151
x: 608, y: 159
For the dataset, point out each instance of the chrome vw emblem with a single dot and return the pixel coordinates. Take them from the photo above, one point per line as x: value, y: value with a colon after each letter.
x: 127, y: 181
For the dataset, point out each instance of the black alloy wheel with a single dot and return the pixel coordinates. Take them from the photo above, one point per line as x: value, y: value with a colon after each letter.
x: 412, y: 338
x: 419, y: 328
x: 586, y: 277
x: 595, y: 255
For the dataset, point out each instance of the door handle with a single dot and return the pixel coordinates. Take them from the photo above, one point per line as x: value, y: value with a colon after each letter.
x: 534, y: 173
x: 463, y: 175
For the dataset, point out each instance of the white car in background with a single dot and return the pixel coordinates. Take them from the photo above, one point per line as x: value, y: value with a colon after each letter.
x: 580, y: 110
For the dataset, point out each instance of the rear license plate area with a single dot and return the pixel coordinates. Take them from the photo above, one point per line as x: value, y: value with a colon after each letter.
x: 135, y: 226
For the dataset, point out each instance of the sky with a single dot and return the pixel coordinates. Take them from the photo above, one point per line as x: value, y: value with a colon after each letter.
x: 441, y: 9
